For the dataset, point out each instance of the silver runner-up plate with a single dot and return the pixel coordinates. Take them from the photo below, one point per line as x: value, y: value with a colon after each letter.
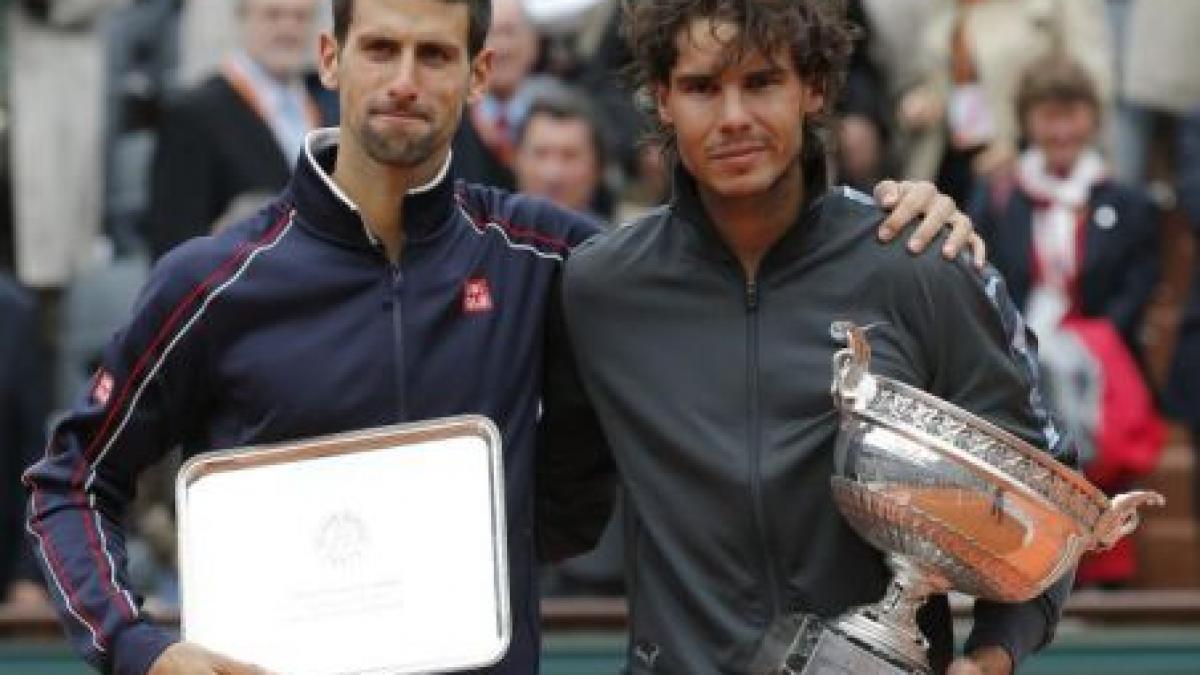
x: 378, y: 551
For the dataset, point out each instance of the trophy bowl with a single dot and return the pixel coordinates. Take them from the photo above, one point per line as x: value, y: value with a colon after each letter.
x: 954, y: 502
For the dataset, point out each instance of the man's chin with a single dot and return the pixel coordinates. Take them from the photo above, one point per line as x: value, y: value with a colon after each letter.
x: 392, y: 151
x: 399, y: 157
x: 741, y: 187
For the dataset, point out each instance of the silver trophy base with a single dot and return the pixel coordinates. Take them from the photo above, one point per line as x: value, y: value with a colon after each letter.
x: 825, y: 649
x: 878, y: 639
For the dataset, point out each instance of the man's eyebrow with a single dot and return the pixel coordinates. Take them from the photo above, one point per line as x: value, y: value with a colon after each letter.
x: 430, y: 39
x: 768, y: 70
x: 695, y: 76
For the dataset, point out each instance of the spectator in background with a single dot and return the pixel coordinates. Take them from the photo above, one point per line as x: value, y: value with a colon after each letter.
x: 1183, y: 388
x: 485, y: 144
x: 22, y: 423
x: 241, y: 130
x: 862, y: 125
x: 1158, y: 46
x: 561, y: 154
x: 56, y: 83
x: 1080, y: 254
x: 893, y: 25
x: 141, y: 59
x: 973, y: 52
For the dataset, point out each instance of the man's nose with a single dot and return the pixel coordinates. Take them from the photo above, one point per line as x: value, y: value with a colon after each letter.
x: 403, y: 84
x: 734, y: 115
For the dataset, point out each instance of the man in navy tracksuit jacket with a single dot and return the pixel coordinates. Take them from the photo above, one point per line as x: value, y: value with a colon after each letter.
x: 419, y: 297
x: 294, y: 324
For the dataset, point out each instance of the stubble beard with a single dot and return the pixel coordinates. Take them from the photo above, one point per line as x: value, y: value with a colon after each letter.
x: 406, y: 152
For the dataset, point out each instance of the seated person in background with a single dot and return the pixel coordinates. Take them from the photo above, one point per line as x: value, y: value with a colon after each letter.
x: 485, y: 142
x: 561, y: 154
x: 241, y: 130
x: 1182, y: 399
x: 1080, y: 253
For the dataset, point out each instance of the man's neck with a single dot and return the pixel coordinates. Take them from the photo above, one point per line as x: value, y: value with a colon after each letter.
x: 378, y: 190
x: 751, y: 225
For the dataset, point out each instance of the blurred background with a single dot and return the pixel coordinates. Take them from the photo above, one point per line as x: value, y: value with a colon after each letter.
x: 128, y: 126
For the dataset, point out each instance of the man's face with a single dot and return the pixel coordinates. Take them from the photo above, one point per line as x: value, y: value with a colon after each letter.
x: 738, y: 123
x: 557, y: 160
x: 1062, y: 130
x: 403, y: 77
x: 276, y: 34
x: 514, y: 40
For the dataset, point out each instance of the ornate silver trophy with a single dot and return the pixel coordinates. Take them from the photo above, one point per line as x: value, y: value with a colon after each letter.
x: 956, y: 503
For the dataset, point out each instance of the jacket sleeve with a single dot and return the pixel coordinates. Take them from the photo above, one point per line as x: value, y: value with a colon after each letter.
x: 575, y: 470
x: 984, y: 359
x: 137, y: 407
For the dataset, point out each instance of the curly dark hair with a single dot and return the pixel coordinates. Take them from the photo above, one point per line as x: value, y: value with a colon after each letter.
x: 816, y: 33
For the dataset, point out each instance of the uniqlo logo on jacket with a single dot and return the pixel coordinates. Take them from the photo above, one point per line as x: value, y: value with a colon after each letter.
x: 102, y: 387
x: 477, y: 296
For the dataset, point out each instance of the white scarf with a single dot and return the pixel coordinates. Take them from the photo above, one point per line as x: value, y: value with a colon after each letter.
x: 1056, y: 224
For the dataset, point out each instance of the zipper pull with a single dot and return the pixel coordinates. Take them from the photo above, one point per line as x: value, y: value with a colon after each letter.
x: 751, y: 294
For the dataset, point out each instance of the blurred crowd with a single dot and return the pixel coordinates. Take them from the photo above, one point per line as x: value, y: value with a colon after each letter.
x: 1068, y: 129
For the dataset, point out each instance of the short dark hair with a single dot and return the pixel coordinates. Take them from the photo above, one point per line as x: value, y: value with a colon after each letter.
x: 817, y: 33
x: 481, y: 21
x: 1058, y: 78
x: 566, y: 105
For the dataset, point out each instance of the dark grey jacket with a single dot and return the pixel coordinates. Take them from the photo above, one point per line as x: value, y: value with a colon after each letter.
x: 713, y: 391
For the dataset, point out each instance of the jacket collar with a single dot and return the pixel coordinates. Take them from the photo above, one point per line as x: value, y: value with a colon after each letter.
x: 325, y: 207
x: 686, y: 205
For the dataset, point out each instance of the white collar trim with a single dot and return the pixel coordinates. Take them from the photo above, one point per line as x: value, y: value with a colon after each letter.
x: 321, y: 139
x: 437, y: 179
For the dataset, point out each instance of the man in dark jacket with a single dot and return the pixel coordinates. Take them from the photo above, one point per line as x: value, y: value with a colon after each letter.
x: 238, y: 134
x: 376, y: 289
x: 705, y: 334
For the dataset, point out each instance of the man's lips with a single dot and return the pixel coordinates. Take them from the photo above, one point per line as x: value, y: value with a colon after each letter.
x: 409, y: 115
x: 735, y: 151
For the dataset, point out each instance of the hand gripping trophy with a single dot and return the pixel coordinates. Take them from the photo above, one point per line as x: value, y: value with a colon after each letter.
x: 956, y: 503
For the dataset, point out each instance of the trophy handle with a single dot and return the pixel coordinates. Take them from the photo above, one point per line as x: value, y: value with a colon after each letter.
x: 1122, y: 518
x: 850, y: 364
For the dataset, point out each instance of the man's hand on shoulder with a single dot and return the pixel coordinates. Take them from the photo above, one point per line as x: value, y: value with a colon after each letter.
x: 906, y: 200
x: 185, y: 658
x: 983, y: 661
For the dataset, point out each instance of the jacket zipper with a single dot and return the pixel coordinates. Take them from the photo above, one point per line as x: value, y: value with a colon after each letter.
x: 755, y: 431
x: 397, y: 290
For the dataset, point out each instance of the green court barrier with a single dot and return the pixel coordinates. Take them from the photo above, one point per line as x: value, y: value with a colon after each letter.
x: 1093, y: 651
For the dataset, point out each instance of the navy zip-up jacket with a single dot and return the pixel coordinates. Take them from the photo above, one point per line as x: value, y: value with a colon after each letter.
x: 293, y: 324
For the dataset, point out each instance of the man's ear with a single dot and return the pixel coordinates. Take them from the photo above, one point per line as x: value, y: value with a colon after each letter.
x: 661, y: 92
x: 481, y: 70
x: 327, y: 60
